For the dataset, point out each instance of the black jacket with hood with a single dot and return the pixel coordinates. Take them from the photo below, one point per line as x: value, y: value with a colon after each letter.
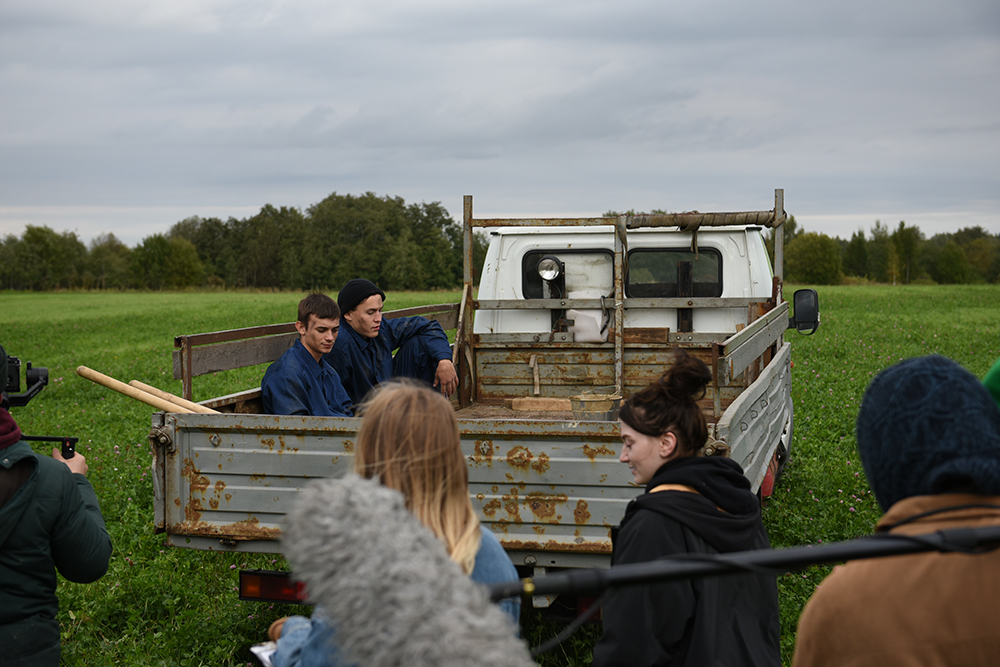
x: 727, y: 620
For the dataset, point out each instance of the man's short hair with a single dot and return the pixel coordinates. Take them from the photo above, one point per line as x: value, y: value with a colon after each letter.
x: 320, y: 305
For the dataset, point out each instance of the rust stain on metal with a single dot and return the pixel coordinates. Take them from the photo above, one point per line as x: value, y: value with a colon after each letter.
x: 603, y: 479
x: 494, y: 488
x: 194, y: 477
x: 248, y: 529
x: 267, y: 442
x: 539, y: 529
x: 553, y: 545
x: 543, y: 505
x: 480, y: 497
x: 510, y: 478
x: 542, y: 464
x: 482, y: 452
x: 213, y: 503
x: 519, y: 457
x: 513, y: 511
x: 490, y: 508
x: 219, y: 487
x: 348, y: 446
x: 193, y: 510
x: 592, y: 453
x: 581, y: 514
x: 256, y: 477
x: 512, y: 505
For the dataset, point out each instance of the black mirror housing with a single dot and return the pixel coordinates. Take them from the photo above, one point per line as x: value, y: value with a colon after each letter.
x: 806, y: 317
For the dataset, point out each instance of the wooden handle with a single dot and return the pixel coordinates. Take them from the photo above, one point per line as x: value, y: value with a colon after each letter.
x: 176, y: 400
x: 131, y: 392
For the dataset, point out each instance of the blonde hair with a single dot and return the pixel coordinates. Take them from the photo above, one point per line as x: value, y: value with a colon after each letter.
x: 409, y: 441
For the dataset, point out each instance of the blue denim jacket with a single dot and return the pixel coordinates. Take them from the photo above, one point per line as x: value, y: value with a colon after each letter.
x: 311, y: 642
x: 297, y: 385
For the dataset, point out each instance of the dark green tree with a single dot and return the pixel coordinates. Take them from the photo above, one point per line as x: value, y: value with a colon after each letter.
x: 213, y: 240
x: 148, y: 263
x: 951, y: 266
x: 906, y: 242
x: 813, y: 259
x: 879, y: 250
x: 184, y: 269
x: 856, y: 255
x: 108, y: 262
x: 49, y: 260
x: 11, y: 273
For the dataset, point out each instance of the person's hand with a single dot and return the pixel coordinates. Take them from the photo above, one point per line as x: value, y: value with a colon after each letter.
x: 446, y: 378
x: 76, y: 464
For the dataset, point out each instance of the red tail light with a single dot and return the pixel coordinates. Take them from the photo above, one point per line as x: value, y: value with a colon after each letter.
x: 271, y: 586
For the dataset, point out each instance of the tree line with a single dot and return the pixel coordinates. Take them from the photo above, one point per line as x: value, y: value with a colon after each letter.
x: 398, y: 246
x: 419, y: 247
x: 897, y: 256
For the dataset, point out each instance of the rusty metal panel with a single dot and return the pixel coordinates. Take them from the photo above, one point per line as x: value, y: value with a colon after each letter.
x: 550, y: 490
x: 754, y: 422
x: 545, y: 487
x: 230, y: 478
x: 567, y: 370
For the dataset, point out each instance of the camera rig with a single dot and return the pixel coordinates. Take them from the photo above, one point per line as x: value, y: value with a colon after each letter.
x: 10, y: 374
x: 35, y: 381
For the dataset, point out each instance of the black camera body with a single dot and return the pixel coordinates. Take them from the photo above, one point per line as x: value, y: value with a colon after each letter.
x: 35, y: 381
x: 10, y: 375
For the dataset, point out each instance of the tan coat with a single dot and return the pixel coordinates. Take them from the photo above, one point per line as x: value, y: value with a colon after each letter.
x: 927, y: 609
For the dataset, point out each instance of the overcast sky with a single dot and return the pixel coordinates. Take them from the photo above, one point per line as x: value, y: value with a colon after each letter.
x: 126, y: 116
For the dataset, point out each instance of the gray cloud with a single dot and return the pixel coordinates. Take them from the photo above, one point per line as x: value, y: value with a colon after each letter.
x: 154, y: 109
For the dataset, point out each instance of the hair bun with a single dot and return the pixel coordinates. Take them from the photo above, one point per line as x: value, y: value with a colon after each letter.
x: 686, y: 378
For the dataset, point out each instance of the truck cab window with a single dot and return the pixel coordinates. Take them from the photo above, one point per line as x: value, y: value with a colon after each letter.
x: 653, y: 272
x: 585, y: 271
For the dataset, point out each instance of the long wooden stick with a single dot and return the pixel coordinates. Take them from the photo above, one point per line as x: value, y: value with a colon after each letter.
x: 177, y: 400
x: 131, y: 392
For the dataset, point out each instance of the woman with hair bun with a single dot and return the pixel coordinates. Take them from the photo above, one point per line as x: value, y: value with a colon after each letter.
x: 692, y: 504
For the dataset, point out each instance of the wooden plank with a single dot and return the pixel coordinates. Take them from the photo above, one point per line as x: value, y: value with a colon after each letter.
x: 235, y: 354
x: 541, y: 403
x: 740, y: 337
x: 766, y: 331
x: 446, y: 314
x: 236, y: 334
x: 644, y: 335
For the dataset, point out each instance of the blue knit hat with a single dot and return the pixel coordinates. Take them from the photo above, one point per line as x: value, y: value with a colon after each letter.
x: 926, y: 426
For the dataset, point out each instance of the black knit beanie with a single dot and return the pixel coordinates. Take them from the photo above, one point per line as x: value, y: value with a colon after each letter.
x: 926, y: 426
x: 354, y: 292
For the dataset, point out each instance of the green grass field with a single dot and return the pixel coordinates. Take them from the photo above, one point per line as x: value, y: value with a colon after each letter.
x: 167, y: 606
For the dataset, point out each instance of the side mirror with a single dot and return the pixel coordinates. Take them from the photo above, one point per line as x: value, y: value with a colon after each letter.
x: 806, y: 317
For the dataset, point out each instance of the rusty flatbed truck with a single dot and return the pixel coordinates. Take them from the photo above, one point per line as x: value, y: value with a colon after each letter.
x: 565, y: 307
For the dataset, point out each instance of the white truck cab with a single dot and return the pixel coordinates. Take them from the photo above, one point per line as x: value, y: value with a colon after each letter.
x: 727, y: 262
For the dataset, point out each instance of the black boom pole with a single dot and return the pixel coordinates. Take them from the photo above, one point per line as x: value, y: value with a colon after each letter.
x: 763, y: 561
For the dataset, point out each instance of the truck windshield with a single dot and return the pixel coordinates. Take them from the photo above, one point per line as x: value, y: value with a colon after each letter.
x: 653, y: 272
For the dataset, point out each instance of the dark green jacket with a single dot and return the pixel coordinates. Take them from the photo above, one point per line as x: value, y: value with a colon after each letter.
x: 52, y: 522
